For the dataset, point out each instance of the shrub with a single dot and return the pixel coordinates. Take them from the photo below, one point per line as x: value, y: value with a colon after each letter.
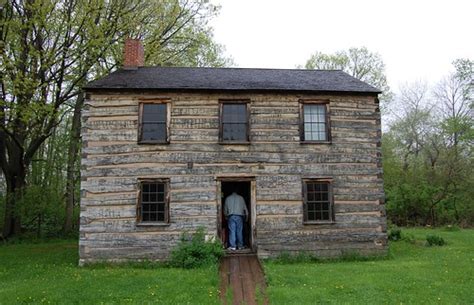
x: 194, y: 251
x: 395, y: 234
x: 409, y: 238
x: 434, y: 240
x: 452, y: 228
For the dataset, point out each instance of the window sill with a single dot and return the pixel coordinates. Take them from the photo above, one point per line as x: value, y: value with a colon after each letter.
x: 152, y: 143
x: 152, y: 224
x: 321, y: 222
x: 234, y: 143
x: 316, y: 142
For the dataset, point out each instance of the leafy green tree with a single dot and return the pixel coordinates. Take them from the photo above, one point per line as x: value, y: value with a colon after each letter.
x: 358, y: 62
x: 50, y: 48
x: 41, y: 64
x: 175, y: 34
x: 428, y: 164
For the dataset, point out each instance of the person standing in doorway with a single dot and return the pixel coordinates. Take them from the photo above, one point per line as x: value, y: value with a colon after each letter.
x: 235, y: 211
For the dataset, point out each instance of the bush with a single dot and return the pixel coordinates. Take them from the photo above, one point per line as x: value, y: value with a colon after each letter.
x: 434, y: 240
x: 452, y: 228
x: 42, y: 212
x: 194, y: 251
x: 409, y: 238
x: 395, y: 234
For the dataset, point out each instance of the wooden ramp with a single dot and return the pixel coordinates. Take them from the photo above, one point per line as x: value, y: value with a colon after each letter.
x: 242, y: 280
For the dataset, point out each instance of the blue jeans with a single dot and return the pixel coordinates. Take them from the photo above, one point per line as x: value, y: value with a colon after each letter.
x: 235, y: 223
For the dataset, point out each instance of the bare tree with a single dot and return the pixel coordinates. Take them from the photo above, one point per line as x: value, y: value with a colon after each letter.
x: 414, y: 121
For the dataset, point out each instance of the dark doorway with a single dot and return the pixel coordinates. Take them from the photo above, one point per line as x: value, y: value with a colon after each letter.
x: 243, y: 189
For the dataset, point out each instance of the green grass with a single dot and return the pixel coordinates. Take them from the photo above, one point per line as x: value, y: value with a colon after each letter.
x: 47, y: 273
x: 413, y: 274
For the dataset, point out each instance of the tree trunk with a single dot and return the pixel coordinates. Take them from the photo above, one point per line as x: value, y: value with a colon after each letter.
x: 15, y: 188
x: 73, y: 151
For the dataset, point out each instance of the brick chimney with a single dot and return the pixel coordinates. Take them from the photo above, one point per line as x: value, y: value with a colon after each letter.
x: 133, y: 54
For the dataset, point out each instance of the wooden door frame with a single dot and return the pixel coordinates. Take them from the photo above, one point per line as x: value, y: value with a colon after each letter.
x: 253, y: 205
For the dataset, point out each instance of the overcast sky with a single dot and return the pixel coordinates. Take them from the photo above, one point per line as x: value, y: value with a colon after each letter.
x: 417, y: 39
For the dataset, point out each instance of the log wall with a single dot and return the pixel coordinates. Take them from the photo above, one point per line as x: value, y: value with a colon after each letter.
x: 112, y: 162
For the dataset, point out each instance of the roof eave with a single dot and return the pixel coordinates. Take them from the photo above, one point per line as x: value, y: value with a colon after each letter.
x: 251, y: 90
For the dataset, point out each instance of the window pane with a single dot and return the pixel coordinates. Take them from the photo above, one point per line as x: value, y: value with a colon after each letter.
x: 153, y: 201
x: 317, y: 201
x: 161, y: 197
x: 234, y: 132
x: 318, y: 196
x: 154, y: 122
x: 234, y: 113
x: 325, y: 197
x: 160, y: 217
x: 154, y: 131
x: 325, y: 216
x: 314, y: 122
x: 234, y: 122
x: 154, y: 113
x: 319, y: 215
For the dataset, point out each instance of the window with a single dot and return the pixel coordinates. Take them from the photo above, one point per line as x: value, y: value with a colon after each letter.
x: 315, y: 123
x: 234, y: 122
x: 154, y: 123
x: 318, y: 202
x: 153, y: 204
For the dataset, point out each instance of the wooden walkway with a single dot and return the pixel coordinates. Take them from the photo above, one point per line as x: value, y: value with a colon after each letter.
x: 242, y: 280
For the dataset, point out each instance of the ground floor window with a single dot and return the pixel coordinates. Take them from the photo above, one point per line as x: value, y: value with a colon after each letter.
x: 318, y: 202
x: 153, y: 203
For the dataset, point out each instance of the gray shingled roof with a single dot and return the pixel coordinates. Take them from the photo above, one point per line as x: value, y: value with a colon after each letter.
x: 231, y: 79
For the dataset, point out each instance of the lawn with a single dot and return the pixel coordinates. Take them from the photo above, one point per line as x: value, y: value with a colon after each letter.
x: 47, y: 273
x: 412, y: 274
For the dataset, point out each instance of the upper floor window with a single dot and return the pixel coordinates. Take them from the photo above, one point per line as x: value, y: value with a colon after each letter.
x: 154, y: 123
x: 153, y: 204
x: 318, y: 201
x: 234, y: 122
x: 315, y: 122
